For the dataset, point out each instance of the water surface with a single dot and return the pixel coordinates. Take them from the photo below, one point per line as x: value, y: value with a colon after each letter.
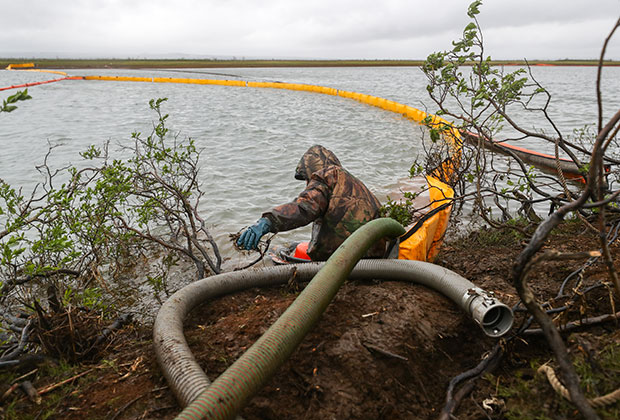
x: 251, y: 139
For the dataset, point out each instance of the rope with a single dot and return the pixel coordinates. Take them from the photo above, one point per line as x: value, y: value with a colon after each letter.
x: 598, y: 402
x: 565, y: 186
x: 25, y: 85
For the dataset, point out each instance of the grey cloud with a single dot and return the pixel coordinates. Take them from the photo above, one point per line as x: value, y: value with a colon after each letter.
x: 277, y: 28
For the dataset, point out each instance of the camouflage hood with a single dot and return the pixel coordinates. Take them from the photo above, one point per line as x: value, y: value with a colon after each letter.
x: 334, y: 201
x: 316, y: 158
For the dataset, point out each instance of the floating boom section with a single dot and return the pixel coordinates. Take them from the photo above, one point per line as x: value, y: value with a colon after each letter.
x: 20, y: 66
x: 30, y: 67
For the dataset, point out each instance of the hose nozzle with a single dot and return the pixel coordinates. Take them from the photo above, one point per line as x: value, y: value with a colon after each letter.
x: 494, y: 317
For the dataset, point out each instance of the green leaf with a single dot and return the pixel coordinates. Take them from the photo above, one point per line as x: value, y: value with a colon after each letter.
x: 470, y: 27
x: 472, y: 11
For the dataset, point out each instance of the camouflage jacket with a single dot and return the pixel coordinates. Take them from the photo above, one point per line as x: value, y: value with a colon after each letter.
x: 336, y: 201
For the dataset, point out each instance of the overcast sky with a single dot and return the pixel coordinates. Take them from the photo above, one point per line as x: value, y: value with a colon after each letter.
x: 334, y: 29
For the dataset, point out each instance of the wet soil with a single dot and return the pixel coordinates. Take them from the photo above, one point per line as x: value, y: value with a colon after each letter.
x: 382, y: 350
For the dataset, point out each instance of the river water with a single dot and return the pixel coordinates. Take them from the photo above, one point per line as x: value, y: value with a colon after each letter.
x: 251, y: 139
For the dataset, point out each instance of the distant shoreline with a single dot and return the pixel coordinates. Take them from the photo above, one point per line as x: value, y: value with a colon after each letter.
x: 190, y: 63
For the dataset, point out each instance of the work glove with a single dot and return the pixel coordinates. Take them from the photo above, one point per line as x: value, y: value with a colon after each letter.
x: 249, y: 239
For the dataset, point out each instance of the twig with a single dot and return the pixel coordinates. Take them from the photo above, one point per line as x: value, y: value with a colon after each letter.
x: 260, y: 257
x: 607, y: 258
x: 453, y: 400
x: 24, y: 376
x: 598, y: 76
x: 9, y: 391
x: 66, y: 381
x: 576, y: 324
x: 383, y: 351
x: 126, y: 406
x: 21, y: 345
x: 25, y: 362
x: 8, y: 363
x: 123, y: 408
x: 134, y: 366
x: 116, y: 325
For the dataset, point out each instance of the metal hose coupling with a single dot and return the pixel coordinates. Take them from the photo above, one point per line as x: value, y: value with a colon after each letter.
x: 493, y: 316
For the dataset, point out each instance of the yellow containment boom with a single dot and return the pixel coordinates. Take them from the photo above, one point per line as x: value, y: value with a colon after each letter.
x: 20, y: 66
x: 432, y: 203
x: 407, y: 111
x: 434, y: 197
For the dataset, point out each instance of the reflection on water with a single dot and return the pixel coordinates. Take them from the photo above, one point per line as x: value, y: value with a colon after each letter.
x: 251, y: 139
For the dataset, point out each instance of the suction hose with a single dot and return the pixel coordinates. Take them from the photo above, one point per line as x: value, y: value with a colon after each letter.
x: 189, y: 382
x: 229, y: 392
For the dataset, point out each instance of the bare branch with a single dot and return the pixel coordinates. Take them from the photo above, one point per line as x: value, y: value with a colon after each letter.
x: 552, y: 335
x: 599, y: 99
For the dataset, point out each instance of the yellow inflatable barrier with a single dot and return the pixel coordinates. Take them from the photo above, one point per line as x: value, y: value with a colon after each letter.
x: 432, y: 203
x: 30, y: 67
x: 20, y: 66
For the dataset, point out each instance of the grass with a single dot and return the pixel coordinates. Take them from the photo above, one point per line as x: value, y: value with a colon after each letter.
x: 67, y: 63
x: 528, y: 395
x: 510, y: 236
x: 49, y: 402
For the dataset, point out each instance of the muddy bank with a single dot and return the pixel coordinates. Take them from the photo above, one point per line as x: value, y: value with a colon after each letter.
x: 379, y: 351
x: 382, y: 350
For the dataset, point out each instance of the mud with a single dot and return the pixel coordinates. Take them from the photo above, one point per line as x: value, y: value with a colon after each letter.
x: 382, y: 350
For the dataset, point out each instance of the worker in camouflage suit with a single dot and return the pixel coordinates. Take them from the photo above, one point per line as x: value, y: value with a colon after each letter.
x: 336, y: 201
